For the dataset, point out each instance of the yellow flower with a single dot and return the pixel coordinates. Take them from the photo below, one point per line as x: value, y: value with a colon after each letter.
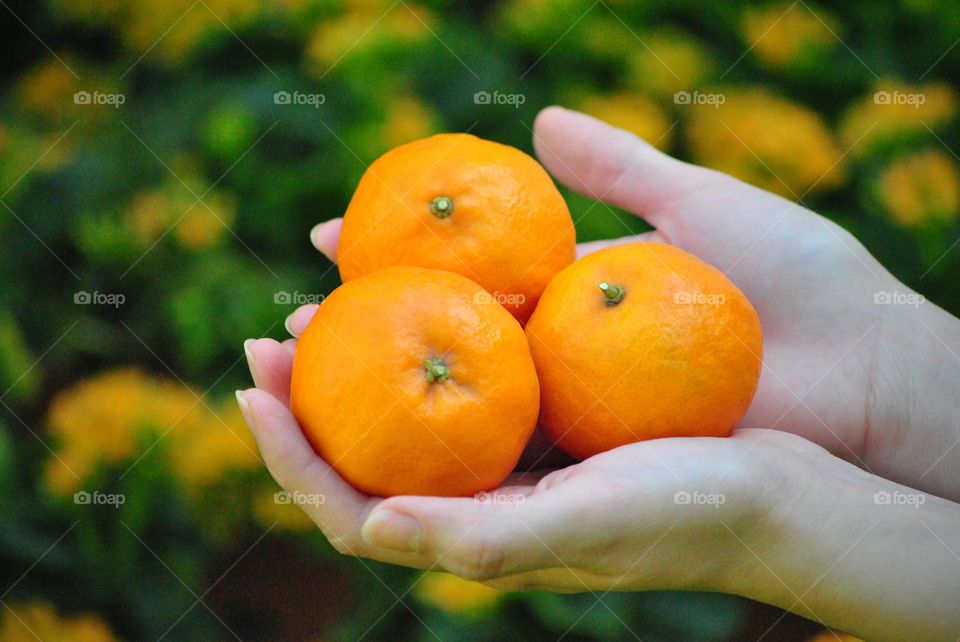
x: 633, y: 113
x: 269, y: 511
x: 222, y: 442
x: 407, y: 120
x: 196, y: 226
x: 920, y: 188
x: 206, y: 222
x: 670, y: 62
x: 455, y: 595
x: 149, y: 215
x: 107, y: 418
x: 23, y: 623
x: 47, y: 93
x: 171, y: 30
x: 783, y: 34
x: 365, y: 26
x: 48, y: 87
x: 765, y: 140
x: 896, y: 112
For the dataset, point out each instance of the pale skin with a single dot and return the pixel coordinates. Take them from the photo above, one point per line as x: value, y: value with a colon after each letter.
x: 855, y: 399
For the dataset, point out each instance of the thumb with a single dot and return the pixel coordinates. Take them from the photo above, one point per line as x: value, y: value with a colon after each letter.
x: 476, y: 538
x: 613, y: 165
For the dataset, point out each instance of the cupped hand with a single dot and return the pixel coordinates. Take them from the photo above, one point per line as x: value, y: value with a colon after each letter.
x: 584, y: 527
x: 743, y: 515
x: 834, y: 362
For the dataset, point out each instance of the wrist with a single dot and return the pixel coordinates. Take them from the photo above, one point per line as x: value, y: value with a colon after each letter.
x: 913, y: 415
x: 853, y: 551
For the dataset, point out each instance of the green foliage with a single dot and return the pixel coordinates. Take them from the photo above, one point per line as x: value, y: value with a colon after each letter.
x: 193, y: 201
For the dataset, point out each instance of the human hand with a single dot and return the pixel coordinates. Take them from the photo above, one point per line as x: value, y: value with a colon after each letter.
x: 743, y: 515
x: 772, y: 482
x: 868, y: 382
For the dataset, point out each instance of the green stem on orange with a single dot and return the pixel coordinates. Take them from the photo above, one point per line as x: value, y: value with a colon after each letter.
x: 441, y: 207
x: 436, y: 370
x: 614, y: 293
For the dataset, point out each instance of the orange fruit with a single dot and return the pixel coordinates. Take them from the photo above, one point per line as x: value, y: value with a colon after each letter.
x: 641, y: 341
x: 411, y: 381
x: 460, y: 203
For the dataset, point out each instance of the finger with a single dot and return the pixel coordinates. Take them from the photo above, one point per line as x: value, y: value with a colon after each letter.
x: 325, y: 236
x: 270, y: 365
x: 592, y: 246
x: 481, y: 540
x: 298, y: 469
x: 612, y: 164
x: 332, y: 503
x: 297, y: 322
x: 716, y: 217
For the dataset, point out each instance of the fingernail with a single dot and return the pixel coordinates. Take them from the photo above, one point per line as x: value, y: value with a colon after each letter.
x: 246, y: 351
x: 387, y: 529
x: 316, y: 237
x: 315, y: 234
x: 242, y: 401
x: 286, y: 324
x: 245, y: 409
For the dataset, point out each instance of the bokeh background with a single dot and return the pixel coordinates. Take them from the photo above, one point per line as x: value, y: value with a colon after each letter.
x: 148, y: 229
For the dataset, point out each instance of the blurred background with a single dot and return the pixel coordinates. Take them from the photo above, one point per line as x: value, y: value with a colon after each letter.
x: 161, y: 164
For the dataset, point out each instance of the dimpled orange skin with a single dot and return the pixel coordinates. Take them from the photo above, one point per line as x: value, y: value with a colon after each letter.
x: 509, y: 229
x: 361, y: 393
x: 668, y: 360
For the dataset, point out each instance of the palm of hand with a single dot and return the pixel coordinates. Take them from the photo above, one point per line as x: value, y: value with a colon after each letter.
x: 821, y: 333
x: 573, y: 529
